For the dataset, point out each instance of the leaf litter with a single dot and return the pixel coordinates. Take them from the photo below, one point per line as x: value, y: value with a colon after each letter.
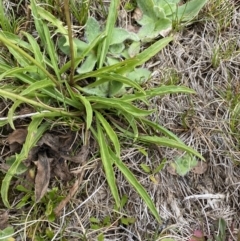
x: 50, y: 156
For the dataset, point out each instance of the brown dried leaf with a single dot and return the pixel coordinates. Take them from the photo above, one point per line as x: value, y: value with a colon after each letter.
x: 18, y: 136
x: 43, y: 175
x: 61, y: 170
x: 200, y: 168
x: 3, y: 219
x: 80, y: 157
x: 50, y: 140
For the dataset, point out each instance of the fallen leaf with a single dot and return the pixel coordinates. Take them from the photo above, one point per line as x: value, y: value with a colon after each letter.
x: 61, y: 170
x: 50, y: 140
x: 3, y: 219
x: 43, y: 175
x: 18, y: 136
x: 200, y: 168
x: 16, y: 139
x: 80, y: 157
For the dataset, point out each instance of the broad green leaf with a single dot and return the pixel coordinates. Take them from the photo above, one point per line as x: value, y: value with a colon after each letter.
x: 110, y: 132
x: 83, y: 51
x: 136, y: 185
x: 116, y: 49
x: 147, y: 8
x: 109, y: 103
x: 7, y: 234
x: 35, y: 132
x: 139, y: 75
x: 163, y: 141
x: 184, y: 164
x: 189, y: 10
x: 88, y: 65
x: 107, y: 164
x: 134, y: 49
x: 119, y: 35
x: 92, y: 29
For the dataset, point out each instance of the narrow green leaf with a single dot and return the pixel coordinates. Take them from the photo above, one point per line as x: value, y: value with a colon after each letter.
x: 43, y: 14
x: 136, y: 185
x: 108, y: 103
x: 107, y: 164
x: 115, y: 77
x: 36, y: 50
x: 159, y: 91
x: 163, y: 141
x: 110, y: 132
x: 11, y: 113
x: 88, y: 108
x: 163, y: 130
x: 51, y: 51
x: 35, y: 132
x: 39, y: 85
x: 111, y: 20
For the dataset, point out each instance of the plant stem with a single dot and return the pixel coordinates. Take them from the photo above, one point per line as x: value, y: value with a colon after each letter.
x: 67, y: 15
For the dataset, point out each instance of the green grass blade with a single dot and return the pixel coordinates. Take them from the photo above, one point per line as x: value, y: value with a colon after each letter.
x: 51, y: 51
x: 11, y: 113
x: 136, y: 185
x: 106, y: 69
x: 110, y: 132
x: 117, y: 104
x: 88, y: 108
x: 36, y: 50
x: 34, y: 134
x: 39, y: 85
x: 163, y: 141
x: 160, y: 91
x: 12, y: 96
x: 107, y: 164
x: 163, y: 130
x: 38, y: 22
x: 111, y: 20
x: 23, y: 54
x: 52, y: 19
